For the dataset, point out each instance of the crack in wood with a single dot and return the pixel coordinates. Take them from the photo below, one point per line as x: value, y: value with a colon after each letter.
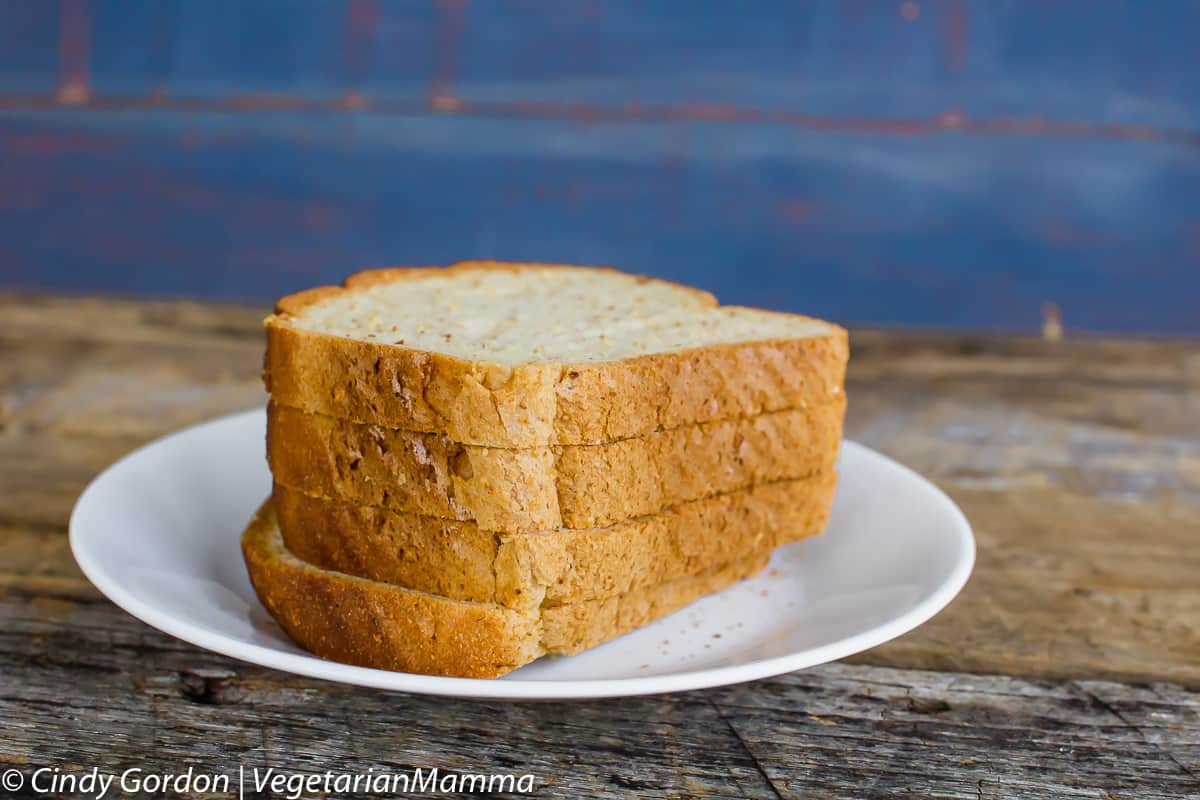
x: 746, y: 749
x: 1115, y: 712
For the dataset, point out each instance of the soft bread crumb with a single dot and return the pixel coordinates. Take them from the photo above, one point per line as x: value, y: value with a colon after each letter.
x: 548, y: 314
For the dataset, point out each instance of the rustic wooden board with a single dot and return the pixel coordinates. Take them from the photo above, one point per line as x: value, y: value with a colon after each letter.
x: 944, y: 228
x: 1068, y: 667
x: 967, y: 160
x: 85, y: 685
x: 1078, y: 463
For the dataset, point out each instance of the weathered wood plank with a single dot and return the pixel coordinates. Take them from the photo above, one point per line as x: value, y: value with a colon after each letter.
x: 955, y: 735
x: 110, y: 375
x: 836, y: 216
x: 971, y: 150
x: 86, y: 684
x: 1078, y: 463
x: 858, y: 59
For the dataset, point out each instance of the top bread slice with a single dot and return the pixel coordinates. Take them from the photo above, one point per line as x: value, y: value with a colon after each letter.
x: 527, y: 355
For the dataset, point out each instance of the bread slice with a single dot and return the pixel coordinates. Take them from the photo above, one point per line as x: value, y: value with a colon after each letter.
x: 528, y: 570
x: 373, y: 624
x: 543, y: 488
x: 525, y: 355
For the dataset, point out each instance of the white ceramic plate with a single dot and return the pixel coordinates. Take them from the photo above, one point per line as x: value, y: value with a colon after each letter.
x: 158, y: 533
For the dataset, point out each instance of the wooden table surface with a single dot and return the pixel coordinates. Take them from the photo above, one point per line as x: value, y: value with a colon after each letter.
x: 1069, y: 666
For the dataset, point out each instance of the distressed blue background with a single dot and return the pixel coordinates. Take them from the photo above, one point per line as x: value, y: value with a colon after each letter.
x: 938, y: 162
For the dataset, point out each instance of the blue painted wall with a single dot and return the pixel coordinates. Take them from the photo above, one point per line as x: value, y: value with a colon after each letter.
x: 935, y: 162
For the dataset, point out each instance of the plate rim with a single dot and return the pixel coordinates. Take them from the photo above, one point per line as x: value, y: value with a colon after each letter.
x: 311, y: 666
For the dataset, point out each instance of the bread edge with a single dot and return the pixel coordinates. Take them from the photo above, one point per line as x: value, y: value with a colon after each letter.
x: 295, y: 303
x: 537, y: 404
x: 526, y: 570
x: 551, y: 486
x: 366, y: 623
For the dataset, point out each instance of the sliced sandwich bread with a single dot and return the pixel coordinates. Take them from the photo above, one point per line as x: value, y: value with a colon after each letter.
x: 526, y: 355
x: 543, y: 488
x: 369, y: 623
x: 530, y: 570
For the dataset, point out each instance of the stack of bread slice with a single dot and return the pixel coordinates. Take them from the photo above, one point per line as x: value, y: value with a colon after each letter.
x: 478, y: 465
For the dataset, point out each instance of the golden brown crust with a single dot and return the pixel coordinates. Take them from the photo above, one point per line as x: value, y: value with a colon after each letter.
x: 473, y: 403
x: 541, y: 403
x: 295, y: 303
x: 538, y: 404
x: 524, y: 571
x: 453, y: 559
x: 358, y: 621
x: 372, y: 277
x: 543, y: 488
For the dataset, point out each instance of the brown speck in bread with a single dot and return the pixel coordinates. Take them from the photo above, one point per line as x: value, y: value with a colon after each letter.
x: 573, y: 374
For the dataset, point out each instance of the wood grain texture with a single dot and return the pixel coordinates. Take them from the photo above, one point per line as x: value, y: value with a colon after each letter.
x: 1078, y: 464
x: 86, y: 685
x: 1068, y: 667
